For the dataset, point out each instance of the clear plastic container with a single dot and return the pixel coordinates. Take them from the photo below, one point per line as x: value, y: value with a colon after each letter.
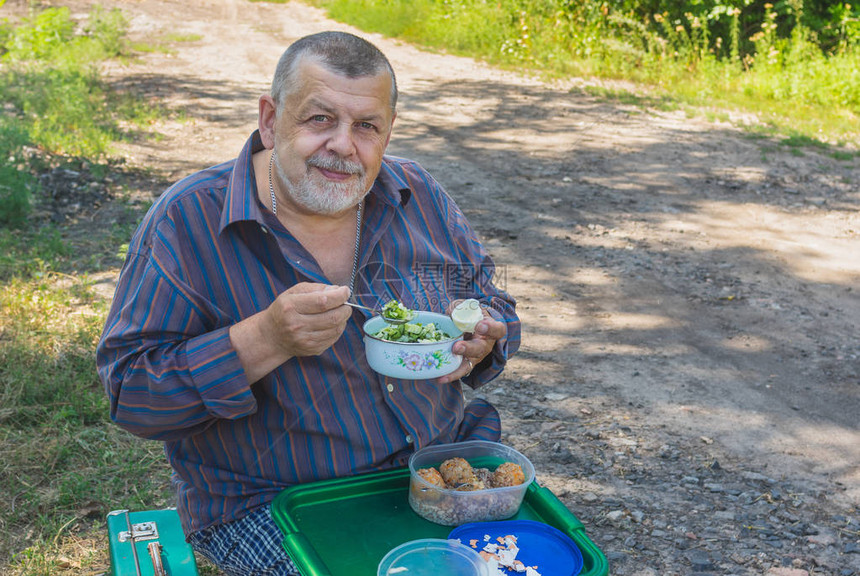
x: 432, y: 557
x: 451, y: 507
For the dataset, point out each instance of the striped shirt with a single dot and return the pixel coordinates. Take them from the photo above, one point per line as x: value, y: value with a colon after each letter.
x: 207, y: 255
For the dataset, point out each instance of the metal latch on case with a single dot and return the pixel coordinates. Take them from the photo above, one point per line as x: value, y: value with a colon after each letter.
x: 140, y: 532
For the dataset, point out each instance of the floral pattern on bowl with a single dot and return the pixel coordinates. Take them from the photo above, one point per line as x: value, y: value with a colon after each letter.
x: 418, y: 362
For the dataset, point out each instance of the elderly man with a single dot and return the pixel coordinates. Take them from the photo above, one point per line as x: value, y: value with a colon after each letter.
x: 229, y: 338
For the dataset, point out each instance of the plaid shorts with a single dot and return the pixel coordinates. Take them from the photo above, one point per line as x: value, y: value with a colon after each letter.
x: 250, y: 546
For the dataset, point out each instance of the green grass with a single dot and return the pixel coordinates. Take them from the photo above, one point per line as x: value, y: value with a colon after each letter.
x: 845, y: 155
x: 164, y: 44
x: 65, y: 464
x: 789, y: 83
x: 626, y: 97
x: 801, y: 140
x: 56, y: 107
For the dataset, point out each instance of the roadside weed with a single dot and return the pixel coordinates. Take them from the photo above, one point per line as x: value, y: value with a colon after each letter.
x: 55, y: 105
x: 803, y: 81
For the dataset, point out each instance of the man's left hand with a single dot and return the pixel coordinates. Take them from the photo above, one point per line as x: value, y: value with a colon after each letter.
x: 476, y: 346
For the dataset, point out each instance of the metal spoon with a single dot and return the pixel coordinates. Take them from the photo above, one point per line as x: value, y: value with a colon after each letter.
x: 395, y: 321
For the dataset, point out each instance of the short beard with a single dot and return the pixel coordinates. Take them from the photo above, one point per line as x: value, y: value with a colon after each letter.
x: 325, y: 197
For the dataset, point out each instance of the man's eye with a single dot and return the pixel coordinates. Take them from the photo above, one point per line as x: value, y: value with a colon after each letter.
x: 319, y: 118
x: 367, y: 126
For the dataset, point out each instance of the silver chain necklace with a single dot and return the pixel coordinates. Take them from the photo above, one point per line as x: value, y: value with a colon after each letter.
x: 271, y: 187
x: 358, y: 220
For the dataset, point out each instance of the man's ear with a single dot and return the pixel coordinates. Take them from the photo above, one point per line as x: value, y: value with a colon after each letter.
x: 266, y: 120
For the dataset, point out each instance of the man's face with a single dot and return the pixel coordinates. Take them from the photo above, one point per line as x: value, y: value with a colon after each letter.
x: 330, y: 138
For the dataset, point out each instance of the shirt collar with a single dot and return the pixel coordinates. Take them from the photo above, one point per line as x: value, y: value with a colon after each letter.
x: 240, y: 202
x: 390, y: 186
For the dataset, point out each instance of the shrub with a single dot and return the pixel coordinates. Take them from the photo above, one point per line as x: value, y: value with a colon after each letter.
x: 54, y: 101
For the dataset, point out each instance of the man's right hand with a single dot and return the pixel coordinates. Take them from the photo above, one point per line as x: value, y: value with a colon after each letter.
x: 305, y: 320
x: 308, y: 318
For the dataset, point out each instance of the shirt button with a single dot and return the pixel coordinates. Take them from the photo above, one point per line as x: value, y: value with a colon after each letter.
x: 390, y: 387
x: 264, y: 229
x: 409, y: 438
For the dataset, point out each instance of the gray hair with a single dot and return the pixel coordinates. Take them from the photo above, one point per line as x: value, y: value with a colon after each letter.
x: 339, y: 52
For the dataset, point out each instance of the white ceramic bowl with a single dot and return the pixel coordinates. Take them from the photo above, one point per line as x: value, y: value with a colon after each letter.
x: 454, y: 507
x: 413, y: 361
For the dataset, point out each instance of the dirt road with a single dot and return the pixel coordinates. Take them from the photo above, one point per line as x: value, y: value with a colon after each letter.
x: 689, y: 380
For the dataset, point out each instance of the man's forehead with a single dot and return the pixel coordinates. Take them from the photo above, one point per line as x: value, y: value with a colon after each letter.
x: 324, y: 88
x: 313, y: 75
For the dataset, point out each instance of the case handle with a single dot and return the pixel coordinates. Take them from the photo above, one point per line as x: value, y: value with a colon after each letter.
x: 155, y: 555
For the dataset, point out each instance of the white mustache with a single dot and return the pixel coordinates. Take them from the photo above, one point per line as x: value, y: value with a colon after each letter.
x: 335, y: 164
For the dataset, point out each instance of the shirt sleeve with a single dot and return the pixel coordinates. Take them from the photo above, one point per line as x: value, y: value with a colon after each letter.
x: 165, y: 356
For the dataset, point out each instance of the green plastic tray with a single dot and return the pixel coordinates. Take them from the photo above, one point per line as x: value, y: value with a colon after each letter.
x: 343, y: 527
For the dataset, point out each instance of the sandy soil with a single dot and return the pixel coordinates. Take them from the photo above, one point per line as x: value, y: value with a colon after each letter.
x: 689, y: 293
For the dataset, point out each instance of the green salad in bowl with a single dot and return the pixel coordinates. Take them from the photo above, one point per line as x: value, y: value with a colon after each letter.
x: 394, y: 310
x: 413, y: 332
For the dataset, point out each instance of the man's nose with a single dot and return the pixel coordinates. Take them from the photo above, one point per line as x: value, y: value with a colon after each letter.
x: 341, y: 141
